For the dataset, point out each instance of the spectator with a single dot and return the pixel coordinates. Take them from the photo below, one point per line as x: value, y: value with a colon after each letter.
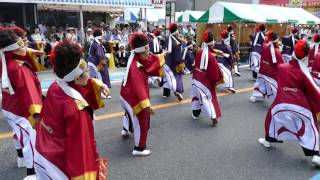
x: 89, y: 36
x: 122, y: 56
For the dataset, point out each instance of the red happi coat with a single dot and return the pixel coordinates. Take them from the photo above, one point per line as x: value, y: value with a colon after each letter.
x: 65, y: 136
x: 209, y: 78
x: 295, y: 110
x: 295, y: 88
x: 136, y: 90
x: 315, y: 70
x: 32, y: 59
x: 267, y: 67
x: 311, y: 57
x: 27, y: 99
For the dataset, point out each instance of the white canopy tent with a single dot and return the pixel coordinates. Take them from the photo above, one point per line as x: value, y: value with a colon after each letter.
x: 190, y: 16
x: 224, y: 12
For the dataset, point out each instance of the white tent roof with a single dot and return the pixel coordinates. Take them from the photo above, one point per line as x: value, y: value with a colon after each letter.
x: 155, y: 15
x: 186, y: 15
x: 233, y: 12
x: 177, y: 15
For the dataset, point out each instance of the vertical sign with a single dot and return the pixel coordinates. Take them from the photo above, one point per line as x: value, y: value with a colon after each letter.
x: 170, y: 12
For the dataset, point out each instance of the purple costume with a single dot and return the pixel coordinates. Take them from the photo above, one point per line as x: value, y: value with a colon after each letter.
x: 97, y: 54
x: 174, y: 61
x: 226, y: 61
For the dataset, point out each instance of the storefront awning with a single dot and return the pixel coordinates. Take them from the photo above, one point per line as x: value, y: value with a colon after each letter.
x: 115, y: 3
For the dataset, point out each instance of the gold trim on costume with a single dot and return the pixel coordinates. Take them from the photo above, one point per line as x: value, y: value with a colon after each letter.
x: 162, y: 61
x: 90, y: 175
x: 140, y: 106
x: 220, y: 82
x: 318, y: 116
x: 35, y: 63
x: 32, y: 121
x: 97, y: 84
x: 34, y: 109
x: 81, y: 104
x: 180, y: 67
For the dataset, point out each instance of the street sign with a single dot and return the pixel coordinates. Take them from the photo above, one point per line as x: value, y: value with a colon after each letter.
x: 170, y: 12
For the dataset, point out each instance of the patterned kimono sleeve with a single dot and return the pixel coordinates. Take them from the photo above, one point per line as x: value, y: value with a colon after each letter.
x: 153, y: 65
x: 29, y: 90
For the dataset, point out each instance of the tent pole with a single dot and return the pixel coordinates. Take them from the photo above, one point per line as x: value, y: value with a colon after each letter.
x: 81, y: 26
x: 24, y: 18
x: 35, y: 14
x: 240, y: 23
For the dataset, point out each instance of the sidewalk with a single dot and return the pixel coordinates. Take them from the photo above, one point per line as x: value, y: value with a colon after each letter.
x: 48, y: 77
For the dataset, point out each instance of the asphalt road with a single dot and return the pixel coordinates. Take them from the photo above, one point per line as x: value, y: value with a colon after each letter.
x: 183, y: 148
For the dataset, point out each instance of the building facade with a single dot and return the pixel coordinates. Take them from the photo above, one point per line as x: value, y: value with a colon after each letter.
x: 313, y: 6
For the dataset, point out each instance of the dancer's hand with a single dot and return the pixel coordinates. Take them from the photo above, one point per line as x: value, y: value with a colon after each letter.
x: 105, y: 90
x: 151, y: 111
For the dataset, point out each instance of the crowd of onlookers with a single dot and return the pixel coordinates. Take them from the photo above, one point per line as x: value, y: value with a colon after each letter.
x: 115, y: 40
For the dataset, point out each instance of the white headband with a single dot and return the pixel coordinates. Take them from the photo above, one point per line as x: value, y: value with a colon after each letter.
x: 136, y: 50
x: 5, y: 81
x: 272, y: 50
x: 76, y: 72
x: 98, y: 37
x: 205, y: 55
x: 171, y: 36
x: 316, y: 48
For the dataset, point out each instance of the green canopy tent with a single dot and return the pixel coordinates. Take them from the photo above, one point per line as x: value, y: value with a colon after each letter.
x: 225, y: 12
x: 190, y: 16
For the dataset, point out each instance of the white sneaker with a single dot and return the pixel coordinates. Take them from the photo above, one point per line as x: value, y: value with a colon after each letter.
x: 20, y: 162
x: 316, y: 160
x: 109, y: 97
x: 124, y: 133
x: 232, y: 90
x: 253, y: 99
x: 264, y: 142
x: 179, y: 96
x: 31, y: 177
x: 141, y: 153
x: 194, y: 117
x: 237, y: 73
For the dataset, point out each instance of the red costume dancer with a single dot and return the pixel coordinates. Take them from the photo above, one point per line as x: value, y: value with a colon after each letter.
x: 32, y: 54
x: 65, y: 143
x: 266, y: 83
x: 295, y: 110
x: 21, y: 96
x: 134, y: 93
x: 314, y: 50
x: 206, y: 77
x: 315, y: 70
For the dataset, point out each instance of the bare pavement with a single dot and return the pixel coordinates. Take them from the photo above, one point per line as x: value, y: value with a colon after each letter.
x: 183, y: 148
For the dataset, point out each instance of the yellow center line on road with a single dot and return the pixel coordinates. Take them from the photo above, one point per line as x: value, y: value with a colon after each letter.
x: 155, y: 107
